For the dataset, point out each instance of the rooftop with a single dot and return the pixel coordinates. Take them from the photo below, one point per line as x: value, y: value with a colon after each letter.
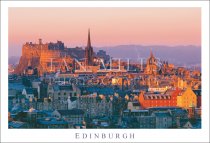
x: 71, y: 112
x: 134, y: 110
x: 162, y: 114
x: 51, y: 121
x: 16, y: 124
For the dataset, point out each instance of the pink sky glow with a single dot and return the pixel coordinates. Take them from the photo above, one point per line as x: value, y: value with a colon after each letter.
x: 109, y: 26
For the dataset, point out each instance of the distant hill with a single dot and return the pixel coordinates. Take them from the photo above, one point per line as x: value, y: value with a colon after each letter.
x: 179, y: 55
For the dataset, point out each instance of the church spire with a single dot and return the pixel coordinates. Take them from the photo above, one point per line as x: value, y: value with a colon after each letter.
x: 88, y: 42
x: 151, y: 54
x: 89, y: 51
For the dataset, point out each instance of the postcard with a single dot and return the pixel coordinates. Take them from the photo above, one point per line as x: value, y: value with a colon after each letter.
x: 105, y: 72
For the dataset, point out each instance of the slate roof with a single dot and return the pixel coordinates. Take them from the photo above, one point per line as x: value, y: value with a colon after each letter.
x: 29, y: 90
x: 16, y: 124
x: 179, y: 112
x: 164, y: 108
x: 17, y: 86
x: 71, y: 112
x: 62, y: 87
x: 197, y: 92
x: 162, y: 114
x: 55, y: 87
x: 98, y: 90
x: 37, y: 80
x: 66, y: 87
x: 51, y: 121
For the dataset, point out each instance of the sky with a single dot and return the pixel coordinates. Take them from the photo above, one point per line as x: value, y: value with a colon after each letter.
x: 108, y: 26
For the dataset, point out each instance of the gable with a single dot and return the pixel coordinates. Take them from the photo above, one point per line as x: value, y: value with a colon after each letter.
x: 188, y: 125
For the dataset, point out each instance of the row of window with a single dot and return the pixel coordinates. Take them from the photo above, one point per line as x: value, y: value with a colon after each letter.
x: 70, y: 94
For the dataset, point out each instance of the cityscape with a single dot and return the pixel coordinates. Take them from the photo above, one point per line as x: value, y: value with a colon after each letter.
x: 50, y: 89
x: 56, y: 87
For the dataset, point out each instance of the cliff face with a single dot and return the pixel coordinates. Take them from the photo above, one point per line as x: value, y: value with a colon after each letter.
x: 24, y: 61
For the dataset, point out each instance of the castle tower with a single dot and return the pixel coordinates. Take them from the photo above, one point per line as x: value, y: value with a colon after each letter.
x: 89, y: 52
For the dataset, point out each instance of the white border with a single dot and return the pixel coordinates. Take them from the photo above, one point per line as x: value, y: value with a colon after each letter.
x: 141, y: 135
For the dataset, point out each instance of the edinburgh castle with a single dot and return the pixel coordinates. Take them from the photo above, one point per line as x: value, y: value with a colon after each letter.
x: 44, y: 58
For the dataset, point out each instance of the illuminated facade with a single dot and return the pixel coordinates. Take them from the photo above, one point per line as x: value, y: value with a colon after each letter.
x: 169, y: 98
x: 151, y: 66
x: 187, y: 99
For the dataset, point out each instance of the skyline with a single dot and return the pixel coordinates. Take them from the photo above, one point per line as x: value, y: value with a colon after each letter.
x: 109, y: 26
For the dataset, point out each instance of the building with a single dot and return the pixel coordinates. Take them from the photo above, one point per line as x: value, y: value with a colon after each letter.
x: 169, y: 98
x: 138, y: 119
x: 187, y: 98
x: 187, y: 125
x: 177, y: 113
x: 30, y: 93
x: 43, y: 90
x: 30, y: 117
x: 95, y: 105
x: 163, y: 119
x: 61, y: 92
x: 44, y: 104
x: 158, y: 89
x: 181, y: 83
x: 89, y: 52
x: 51, y: 123
x: 151, y: 65
x: 102, y: 54
x: 36, y: 84
x: 198, y: 94
x: 133, y: 105
x: 17, y: 125
x: 73, y: 116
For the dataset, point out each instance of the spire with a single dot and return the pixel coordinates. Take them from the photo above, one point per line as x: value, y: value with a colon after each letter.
x: 88, y: 42
x: 151, y: 54
x: 89, y: 51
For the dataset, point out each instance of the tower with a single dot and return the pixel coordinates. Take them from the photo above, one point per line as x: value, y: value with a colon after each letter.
x: 89, y: 52
x: 151, y: 67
